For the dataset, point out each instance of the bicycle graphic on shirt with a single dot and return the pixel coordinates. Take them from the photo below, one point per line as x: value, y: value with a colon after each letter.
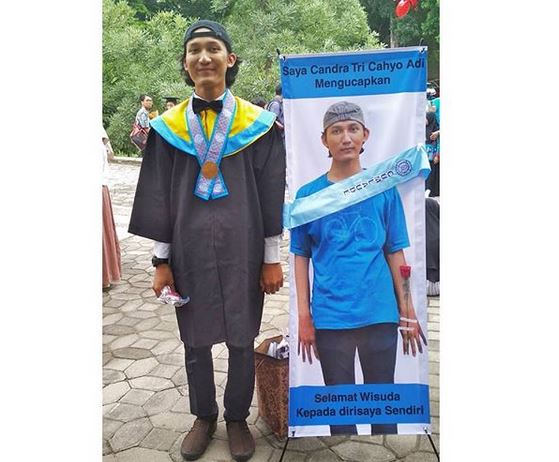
x: 349, y: 227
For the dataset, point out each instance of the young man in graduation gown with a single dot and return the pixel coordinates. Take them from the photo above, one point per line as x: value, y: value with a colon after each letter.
x: 210, y: 193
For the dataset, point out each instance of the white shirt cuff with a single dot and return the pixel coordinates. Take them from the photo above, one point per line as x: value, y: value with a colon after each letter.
x: 161, y: 249
x: 272, y: 249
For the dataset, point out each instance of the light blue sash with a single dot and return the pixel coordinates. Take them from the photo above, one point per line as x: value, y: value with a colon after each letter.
x: 376, y: 179
x: 211, y: 151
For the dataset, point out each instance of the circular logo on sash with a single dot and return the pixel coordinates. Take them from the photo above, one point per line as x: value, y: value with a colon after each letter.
x: 403, y: 167
x: 209, y: 169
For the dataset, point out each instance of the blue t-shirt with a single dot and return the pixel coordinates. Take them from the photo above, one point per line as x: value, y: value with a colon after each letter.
x: 352, y: 284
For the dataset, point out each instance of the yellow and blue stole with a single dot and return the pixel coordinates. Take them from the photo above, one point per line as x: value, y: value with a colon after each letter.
x: 218, y: 136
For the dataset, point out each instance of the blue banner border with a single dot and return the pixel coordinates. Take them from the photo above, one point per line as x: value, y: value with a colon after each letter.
x: 359, y: 404
x: 349, y: 79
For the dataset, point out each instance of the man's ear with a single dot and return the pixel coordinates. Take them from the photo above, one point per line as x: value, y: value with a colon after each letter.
x: 231, y: 59
x: 324, y: 140
x: 366, y: 133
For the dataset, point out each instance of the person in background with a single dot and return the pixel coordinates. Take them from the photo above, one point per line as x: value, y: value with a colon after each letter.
x: 276, y: 106
x: 432, y: 239
x: 108, y: 146
x: 436, y: 104
x: 433, y: 152
x: 259, y: 101
x: 431, y: 94
x: 170, y: 101
x: 141, y: 127
x: 142, y: 116
x: 111, y: 248
x: 433, y: 100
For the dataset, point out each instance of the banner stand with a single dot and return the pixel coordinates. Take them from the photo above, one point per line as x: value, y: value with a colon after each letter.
x: 432, y: 444
x: 389, y: 88
x: 425, y: 430
x: 284, y: 448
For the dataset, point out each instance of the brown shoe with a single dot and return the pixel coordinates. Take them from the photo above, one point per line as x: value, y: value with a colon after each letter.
x: 241, y: 442
x: 197, y: 439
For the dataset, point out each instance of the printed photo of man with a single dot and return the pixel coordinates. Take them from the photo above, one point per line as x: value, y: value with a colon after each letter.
x: 358, y: 298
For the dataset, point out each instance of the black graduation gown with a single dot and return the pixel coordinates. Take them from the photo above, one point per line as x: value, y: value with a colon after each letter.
x: 217, y: 246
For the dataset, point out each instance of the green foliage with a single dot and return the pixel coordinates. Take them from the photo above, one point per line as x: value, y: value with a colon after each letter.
x: 379, y: 14
x: 208, y: 9
x: 142, y: 56
x: 260, y: 27
x: 138, y: 58
x: 219, y: 9
x: 420, y: 25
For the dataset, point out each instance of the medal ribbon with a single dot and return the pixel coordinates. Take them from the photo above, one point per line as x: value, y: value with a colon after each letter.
x: 363, y: 185
x: 210, y: 183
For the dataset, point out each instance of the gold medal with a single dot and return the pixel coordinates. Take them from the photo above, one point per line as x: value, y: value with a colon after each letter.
x: 209, y: 169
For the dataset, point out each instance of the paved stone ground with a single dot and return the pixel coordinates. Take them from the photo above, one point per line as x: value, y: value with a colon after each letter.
x: 145, y: 398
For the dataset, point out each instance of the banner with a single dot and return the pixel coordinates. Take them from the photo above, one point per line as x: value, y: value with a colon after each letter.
x: 389, y: 86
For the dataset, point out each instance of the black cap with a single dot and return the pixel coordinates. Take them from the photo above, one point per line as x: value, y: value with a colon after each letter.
x: 171, y: 99
x: 216, y: 30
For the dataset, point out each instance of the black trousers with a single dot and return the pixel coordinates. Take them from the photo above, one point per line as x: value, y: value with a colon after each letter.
x: 201, y: 385
x: 376, y: 346
x: 433, y: 180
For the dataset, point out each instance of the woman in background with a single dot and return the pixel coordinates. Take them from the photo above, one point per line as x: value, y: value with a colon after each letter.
x: 111, y: 247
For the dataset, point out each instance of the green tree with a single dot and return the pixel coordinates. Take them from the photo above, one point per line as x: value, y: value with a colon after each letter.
x: 258, y: 28
x: 138, y: 57
x: 144, y: 9
x: 142, y: 56
x: 379, y: 17
x: 420, y: 25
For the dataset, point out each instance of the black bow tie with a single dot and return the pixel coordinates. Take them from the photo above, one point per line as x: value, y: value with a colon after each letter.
x: 199, y: 105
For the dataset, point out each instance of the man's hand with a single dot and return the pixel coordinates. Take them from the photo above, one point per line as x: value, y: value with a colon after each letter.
x: 307, y: 340
x: 163, y: 277
x: 411, y: 331
x: 271, y: 278
x: 434, y: 135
